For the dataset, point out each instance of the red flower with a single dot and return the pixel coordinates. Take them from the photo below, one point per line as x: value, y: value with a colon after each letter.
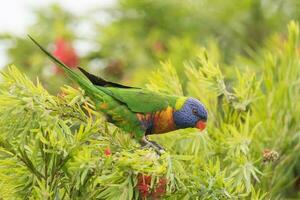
x: 144, y: 183
x: 107, y: 151
x: 160, y: 189
x: 66, y: 53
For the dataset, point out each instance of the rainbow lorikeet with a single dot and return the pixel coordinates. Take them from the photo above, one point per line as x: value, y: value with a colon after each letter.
x: 136, y: 110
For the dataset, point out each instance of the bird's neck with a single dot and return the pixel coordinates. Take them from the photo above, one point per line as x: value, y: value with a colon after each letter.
x: 163, y: 121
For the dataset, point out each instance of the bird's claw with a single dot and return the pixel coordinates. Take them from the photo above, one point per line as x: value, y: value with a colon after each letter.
x: 151, y: 144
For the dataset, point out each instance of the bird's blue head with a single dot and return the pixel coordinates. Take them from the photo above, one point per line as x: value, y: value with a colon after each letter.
x: 191, y: 114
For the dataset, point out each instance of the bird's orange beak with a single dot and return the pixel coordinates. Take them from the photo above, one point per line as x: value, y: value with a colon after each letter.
x: 201, y: 125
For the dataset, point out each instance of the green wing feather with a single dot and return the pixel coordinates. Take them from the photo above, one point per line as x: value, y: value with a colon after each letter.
x: 141, y: 100
x: 137, y: 99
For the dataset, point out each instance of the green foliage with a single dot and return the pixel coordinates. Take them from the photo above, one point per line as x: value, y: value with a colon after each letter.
x: 251, y: 112
x: 143, y: 32
x: 166, y: 84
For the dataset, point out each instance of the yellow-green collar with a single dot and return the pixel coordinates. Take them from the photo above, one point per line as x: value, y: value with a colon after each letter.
x: 179, y: 103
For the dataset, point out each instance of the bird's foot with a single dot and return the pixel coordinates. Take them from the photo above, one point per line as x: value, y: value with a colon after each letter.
x: 152, y: 144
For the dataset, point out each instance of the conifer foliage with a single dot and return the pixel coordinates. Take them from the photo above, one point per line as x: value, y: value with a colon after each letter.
x: 59, y: 147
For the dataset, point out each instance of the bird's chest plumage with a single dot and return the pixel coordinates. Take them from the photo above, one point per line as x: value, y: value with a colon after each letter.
x: 158, y: 122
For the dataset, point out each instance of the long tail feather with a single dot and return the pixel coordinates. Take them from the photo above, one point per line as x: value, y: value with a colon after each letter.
x: 81, y: 80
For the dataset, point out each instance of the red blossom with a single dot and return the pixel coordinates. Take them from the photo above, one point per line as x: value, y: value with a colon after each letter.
x: 144, y: 183
x: 107, y: 151
x: 160, y: 189
x: 66, y: 53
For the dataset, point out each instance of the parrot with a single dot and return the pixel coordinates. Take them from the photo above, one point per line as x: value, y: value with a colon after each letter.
x: 138, y: 111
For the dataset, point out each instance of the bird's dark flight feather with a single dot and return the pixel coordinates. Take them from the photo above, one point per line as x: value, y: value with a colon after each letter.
x: 100, y: 81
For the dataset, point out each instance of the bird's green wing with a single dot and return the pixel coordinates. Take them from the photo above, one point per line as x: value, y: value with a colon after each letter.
x: 141, y: 100
x: 136, y: 99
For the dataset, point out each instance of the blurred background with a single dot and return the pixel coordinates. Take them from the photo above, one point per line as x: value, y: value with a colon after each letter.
x: 124, y: 40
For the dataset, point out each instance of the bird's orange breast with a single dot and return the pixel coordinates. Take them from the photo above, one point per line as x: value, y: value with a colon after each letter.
x: 158, y: 122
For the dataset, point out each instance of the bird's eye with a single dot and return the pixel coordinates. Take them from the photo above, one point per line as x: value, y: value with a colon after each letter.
x: 195, y: 112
